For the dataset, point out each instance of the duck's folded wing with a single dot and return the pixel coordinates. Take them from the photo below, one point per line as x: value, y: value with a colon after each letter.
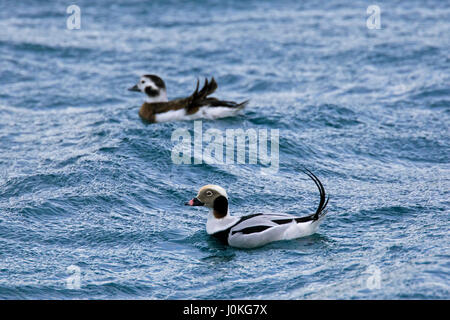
x: 177, y: 104
x: 256, y: 231
x: 271, y: 219
x: 259, y: 229
x: 258, y: 223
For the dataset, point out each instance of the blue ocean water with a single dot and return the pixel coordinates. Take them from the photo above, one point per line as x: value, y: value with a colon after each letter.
x: 91, y: 204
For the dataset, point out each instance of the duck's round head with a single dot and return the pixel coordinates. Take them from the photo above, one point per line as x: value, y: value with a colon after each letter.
x: 153, y: 86
x: 213, y: 197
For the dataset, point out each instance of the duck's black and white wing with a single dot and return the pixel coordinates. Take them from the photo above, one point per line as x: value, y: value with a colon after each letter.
x: 260, y: 229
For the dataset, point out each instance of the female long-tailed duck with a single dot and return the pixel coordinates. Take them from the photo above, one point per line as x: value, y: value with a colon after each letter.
x: 258, y: 229
x: 157, y: 108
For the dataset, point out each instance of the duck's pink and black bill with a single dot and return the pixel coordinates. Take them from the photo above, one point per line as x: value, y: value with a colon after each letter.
x: 194, y: 202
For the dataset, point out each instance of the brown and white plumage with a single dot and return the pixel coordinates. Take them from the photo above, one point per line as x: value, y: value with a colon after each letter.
x: 157, y: 108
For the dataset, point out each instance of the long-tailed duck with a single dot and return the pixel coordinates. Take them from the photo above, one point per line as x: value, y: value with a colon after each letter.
x: 258, y: 229
x: 157, y: 108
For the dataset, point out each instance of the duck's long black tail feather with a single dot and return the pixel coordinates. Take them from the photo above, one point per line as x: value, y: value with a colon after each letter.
x: 202, y: 97
x: 321, y: 209
x: 213, y: 102
x: 208, y: 88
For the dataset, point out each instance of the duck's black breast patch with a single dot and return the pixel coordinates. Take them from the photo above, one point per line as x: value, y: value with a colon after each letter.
x: 254, y: 229
x: 222, y: 236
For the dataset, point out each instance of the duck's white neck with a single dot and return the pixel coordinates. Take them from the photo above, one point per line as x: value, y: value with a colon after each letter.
x: 214, y: 225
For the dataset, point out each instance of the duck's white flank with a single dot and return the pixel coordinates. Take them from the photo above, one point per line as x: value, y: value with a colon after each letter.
x: 205, y: 112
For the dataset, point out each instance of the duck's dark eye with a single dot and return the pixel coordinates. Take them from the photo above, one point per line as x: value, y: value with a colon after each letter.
x: 142, y: 81
x: 209, y: 193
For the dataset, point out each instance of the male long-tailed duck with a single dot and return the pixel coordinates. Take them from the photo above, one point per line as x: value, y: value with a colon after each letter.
x: 157, y: 108
x: 258, y: 229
